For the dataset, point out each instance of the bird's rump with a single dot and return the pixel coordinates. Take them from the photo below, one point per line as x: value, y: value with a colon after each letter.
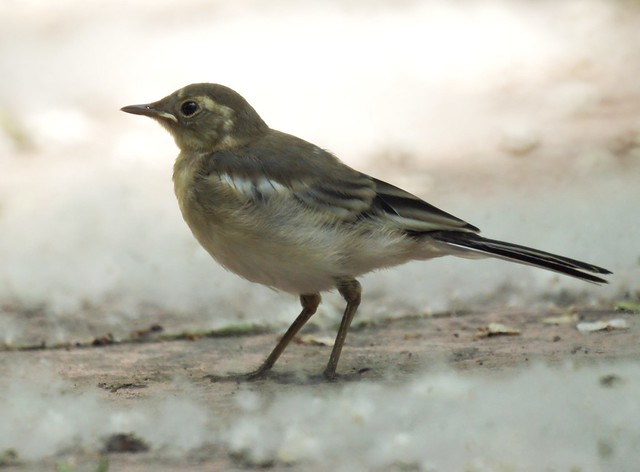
x: 412, y: 213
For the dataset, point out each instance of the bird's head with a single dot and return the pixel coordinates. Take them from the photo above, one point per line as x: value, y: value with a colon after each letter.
x: 205, y: 118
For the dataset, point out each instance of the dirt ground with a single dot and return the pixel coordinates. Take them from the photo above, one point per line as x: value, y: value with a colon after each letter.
x: 391, y: 351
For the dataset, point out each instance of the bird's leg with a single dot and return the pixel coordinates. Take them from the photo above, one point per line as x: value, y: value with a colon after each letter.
x: 351, y: 291
x: 309, y: 305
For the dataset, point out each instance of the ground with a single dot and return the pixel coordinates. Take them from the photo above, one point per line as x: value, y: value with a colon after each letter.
x: 390, y: 354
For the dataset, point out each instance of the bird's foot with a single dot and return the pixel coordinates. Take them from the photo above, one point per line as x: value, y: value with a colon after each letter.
x: 239, y: 378
x: 330, y: 375
x: 288, y: 377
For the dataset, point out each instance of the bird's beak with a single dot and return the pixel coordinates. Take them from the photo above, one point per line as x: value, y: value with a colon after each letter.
x: 150, y: 110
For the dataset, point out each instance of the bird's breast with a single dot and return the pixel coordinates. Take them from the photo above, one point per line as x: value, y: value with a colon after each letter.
x: 184, y: 174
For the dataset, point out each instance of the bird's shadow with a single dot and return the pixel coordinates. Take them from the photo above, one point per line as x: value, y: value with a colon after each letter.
x: 289, y: 378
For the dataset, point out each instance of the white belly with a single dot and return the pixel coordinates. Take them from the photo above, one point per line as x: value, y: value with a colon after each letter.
x: 295, y: 254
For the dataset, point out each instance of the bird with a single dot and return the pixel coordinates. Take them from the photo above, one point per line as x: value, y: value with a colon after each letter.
x: 282, y: 212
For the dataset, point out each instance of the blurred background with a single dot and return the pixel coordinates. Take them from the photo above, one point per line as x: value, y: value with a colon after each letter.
x: 520, y: 117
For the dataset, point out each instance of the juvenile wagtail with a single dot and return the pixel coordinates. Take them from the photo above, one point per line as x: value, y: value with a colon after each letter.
x: 282, y: 212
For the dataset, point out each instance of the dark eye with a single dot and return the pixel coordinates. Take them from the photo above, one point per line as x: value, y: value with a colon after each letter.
x: 189, y: 108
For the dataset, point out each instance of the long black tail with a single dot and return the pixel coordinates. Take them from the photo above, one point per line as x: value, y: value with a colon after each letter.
x: 521, y: 254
